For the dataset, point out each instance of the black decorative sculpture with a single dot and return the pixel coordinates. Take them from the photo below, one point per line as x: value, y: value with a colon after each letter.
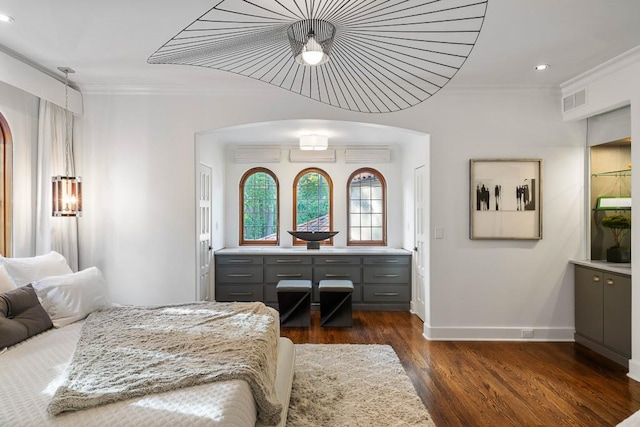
x: 369, y: 56
x: 313, y: 238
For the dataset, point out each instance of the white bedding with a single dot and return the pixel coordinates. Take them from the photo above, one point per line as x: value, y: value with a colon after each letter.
x: 29, y: 371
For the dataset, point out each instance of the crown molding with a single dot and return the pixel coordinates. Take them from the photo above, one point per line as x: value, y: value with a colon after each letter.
x: 606, y: 68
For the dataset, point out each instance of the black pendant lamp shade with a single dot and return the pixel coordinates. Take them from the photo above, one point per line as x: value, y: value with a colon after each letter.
x: 369, y: 56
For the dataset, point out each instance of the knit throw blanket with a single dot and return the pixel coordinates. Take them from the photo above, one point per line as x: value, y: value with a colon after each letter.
x: 126, y: 352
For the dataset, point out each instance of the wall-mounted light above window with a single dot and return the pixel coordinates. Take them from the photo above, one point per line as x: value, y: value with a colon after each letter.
x: 314, y: 142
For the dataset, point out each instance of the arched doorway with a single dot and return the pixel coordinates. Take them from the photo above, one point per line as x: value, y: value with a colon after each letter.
x: 6, y: 174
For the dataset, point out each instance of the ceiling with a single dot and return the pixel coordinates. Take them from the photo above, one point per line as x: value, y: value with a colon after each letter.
x: 108, y: 42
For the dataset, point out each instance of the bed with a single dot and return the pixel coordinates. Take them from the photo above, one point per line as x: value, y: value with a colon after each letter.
x: 33, y: 371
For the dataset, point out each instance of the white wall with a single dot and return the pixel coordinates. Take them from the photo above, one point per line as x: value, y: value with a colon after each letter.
x: 139, y: 222
x: 20, y: 109
x: 493, y: 289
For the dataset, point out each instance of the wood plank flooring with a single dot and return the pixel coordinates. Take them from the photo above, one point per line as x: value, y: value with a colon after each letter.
x: 493, y: 383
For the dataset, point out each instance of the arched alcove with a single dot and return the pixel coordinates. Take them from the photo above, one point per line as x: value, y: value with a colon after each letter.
x: 6, y: 185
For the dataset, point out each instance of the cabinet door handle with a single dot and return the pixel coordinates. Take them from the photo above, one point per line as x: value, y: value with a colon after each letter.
x: 610, y: 282
x: 239, y: 261
x: 240, y: 294
x: 240, y: 275
x: 336, y: 261
x: 290, y: 275
x: 288, y: 261
x: 596, y: 278
x: 386, y: 294
x: 386, y: 275
x: 337, y: 275
x: 385, y: 261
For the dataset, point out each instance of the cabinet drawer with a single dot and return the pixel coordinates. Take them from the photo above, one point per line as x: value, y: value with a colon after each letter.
x: 336, y: 272
x: 386, y: 260
x: 275, y: 273
x: 237, y: 260
x: 243, y: 293
x: 337, y: 260
x: 239, y: 274
x: 386, y: 275
x: 288, y: 260
x: 386, y: 293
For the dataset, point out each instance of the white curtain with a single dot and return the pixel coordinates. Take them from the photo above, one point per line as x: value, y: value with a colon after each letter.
x: 57, y: 234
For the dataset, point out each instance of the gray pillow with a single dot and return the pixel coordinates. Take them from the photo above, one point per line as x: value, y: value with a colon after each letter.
x: 21, y: 316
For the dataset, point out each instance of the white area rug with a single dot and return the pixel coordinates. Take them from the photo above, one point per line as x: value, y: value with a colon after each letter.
x: 632, y: 421
x: 353, y: 385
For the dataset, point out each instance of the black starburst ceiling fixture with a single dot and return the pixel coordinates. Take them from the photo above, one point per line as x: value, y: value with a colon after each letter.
x: 371, y: 56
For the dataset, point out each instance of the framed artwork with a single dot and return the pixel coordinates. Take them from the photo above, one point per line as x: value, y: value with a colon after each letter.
x: 505, y: 199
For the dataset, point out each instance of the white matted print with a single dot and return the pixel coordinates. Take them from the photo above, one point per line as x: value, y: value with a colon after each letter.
x: 506, y: 199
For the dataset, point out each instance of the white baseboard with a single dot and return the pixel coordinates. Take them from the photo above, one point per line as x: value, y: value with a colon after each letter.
x: 498, y: 334
x: 634, y: 370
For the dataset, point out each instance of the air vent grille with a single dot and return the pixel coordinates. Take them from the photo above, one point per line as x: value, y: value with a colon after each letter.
x: 310, y: 156
x: 257, y: 155
x: 367, y: 156
x: 575, y: 100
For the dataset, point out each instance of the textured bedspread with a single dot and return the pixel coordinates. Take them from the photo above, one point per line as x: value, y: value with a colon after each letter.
x: 126, y: 352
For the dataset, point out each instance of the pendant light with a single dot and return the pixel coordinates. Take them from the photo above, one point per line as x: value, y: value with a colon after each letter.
x: 311, y: 41
x: 66, y: 193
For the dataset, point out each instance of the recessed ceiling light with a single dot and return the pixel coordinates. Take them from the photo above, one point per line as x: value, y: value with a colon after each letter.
x: 542, y: 67
x: 6, y: 18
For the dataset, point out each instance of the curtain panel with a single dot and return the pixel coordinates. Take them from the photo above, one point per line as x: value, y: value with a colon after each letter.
x: 57, y: 234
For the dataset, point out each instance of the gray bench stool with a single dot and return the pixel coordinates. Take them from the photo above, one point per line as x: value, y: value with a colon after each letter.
x: 294, y: 302
x: 335, y: 303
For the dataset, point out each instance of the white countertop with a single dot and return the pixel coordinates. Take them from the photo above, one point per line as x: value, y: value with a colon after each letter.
x: 614, y: 267
x: 271, y: 250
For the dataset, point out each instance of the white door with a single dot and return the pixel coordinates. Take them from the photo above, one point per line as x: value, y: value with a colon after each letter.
x: 421, y: 240
x: 204, y: 233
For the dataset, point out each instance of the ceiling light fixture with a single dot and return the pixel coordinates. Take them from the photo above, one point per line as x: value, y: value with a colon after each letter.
x: 542, y: 67
x: 6, y: 18
x: 314, y: 142
x: 311, y: 41
x: 66, y: 190
x: 369, y: 56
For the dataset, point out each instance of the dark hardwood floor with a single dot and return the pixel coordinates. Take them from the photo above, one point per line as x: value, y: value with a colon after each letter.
x: 493, y: 383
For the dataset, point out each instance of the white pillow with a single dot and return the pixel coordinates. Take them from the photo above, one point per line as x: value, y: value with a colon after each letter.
x: 6, y: 283
x: 72, y: 297
x: 27, y: 270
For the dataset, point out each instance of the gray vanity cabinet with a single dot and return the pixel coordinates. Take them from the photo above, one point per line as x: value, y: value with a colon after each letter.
x: 284, y: 268
x: 381, y: 282
x: 239, y: 278
x: 603, y: 312
x: 338, y: 268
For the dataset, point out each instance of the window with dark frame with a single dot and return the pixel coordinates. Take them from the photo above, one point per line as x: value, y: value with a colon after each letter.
x: 313, y: 203
x: 259, y: 208
x: 366, y: 206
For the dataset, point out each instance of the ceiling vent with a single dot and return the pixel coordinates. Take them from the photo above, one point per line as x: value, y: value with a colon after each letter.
x: 257, y: 155
x: 367, y: 156
x: 305, y: 156
x: 575, y: 100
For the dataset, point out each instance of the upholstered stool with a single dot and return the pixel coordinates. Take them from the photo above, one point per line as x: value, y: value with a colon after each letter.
x: 335, y: 303
x: 294, y: 302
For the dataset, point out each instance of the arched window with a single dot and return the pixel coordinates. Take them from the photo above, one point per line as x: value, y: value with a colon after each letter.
x: 367, y: 208
x: 259, y: 207
x: 6, y: 185
x: 312, y: 203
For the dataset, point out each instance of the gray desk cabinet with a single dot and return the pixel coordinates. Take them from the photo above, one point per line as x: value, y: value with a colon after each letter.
x: 381, y: 282
x: 603, y: 312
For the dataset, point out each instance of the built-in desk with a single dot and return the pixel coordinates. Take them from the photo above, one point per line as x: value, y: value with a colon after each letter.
x: 381, y: 277
x: 603, y: 308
